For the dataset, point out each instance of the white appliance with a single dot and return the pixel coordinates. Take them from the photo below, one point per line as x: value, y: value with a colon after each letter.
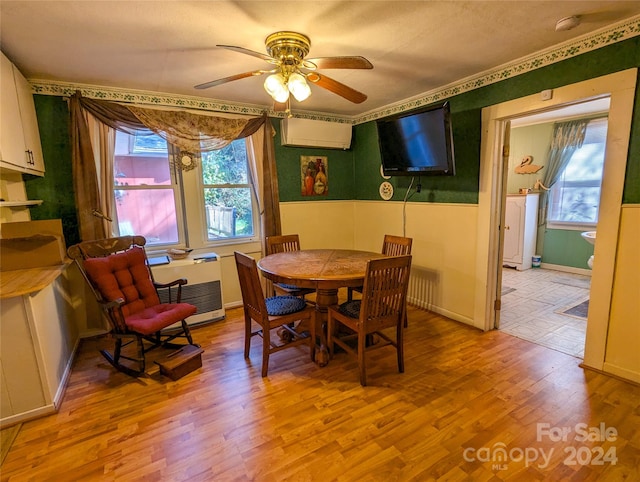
x: 315, y: 133
x: 204, y: 288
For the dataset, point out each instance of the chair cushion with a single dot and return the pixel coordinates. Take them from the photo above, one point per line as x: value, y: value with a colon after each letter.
x: 283, y: 305
x: 124, y: 275
x: 288, y: 287
x: 351, y: 308
x: 153, y: 319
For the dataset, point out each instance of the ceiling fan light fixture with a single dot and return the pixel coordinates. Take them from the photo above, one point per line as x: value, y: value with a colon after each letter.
x: 298, y: 87
x: 276, y: 87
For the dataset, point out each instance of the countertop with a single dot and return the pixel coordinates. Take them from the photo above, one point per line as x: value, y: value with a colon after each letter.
x: 24, y: 281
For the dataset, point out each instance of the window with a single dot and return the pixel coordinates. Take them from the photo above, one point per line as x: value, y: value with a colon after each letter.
x: 575, y: 197
x: 145, y: 189
x: 149, y: 195
x: 227, y: 192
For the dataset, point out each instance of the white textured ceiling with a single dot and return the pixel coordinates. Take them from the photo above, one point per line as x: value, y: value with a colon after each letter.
x: 170, y: 46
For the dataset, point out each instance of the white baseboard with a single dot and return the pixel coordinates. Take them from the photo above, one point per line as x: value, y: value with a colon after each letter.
x: 566, y: 269
x: 621, y: 372
x: 28, y: 415
x: 64, y: 380
x: 93, y: 332
x: 441, y: 311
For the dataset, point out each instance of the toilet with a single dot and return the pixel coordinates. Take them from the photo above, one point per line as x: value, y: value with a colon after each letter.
x: 589, y: 237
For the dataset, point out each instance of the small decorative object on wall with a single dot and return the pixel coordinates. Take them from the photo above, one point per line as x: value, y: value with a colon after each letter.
x: 525, y: 166
x: 187, y: 161
x: 386, y: 190
x: 184, y: 161
x: 314, y: 172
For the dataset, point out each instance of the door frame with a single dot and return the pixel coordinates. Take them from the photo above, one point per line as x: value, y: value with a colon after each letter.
x: 620, y: 87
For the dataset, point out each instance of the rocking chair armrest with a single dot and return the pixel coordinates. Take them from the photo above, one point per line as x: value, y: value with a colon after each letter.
x: 110, y: 305
x: 178, y: 282
x: 113, y: 311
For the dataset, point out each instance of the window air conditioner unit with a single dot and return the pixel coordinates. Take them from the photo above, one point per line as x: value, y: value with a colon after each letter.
x: 315, y: 133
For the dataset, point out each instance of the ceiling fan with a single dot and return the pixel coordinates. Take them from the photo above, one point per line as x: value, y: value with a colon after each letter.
x: 292, y: 71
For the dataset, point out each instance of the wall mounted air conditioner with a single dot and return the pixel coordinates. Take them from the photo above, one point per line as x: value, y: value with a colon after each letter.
x: 203, y: 289
x: 315, y: 133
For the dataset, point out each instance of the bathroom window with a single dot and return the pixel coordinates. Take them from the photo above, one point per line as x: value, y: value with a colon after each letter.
x: 575, y: 197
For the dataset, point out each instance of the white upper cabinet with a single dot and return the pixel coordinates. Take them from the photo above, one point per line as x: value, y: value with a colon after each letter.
x: 20, y: 147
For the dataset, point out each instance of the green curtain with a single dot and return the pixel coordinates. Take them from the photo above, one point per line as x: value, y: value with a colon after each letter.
x: 566, y: 139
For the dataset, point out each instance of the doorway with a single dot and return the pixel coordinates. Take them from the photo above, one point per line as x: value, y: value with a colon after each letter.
x: 547, y: 303
x: 620, y: 87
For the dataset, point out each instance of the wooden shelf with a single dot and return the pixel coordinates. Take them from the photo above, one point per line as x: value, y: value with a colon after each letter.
x: 19, y: 204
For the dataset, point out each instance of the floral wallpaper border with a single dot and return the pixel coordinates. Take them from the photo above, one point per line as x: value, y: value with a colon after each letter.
x: 558, y: 53
x: 607, y: 36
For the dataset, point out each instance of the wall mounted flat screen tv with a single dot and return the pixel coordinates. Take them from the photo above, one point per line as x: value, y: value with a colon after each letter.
x: 418, y: 143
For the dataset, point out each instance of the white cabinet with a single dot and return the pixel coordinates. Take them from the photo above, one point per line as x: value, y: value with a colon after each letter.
x: 38, y: 338
x: 520, y: 230
x: 20, y: 147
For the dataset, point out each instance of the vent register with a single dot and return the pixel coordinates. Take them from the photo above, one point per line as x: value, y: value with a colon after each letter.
x: 204, y: 288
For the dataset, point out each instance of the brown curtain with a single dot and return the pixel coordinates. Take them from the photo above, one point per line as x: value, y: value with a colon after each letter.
x: 85, y: 179
x: 271, y: 225
x: 191, y: 133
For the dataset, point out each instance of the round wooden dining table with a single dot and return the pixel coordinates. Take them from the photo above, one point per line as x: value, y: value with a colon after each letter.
x: 325, y: 270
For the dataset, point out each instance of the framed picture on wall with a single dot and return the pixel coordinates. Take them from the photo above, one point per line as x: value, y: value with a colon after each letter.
x: 314, y: 175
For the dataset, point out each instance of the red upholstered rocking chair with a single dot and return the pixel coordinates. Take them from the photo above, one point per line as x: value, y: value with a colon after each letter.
x: 118, y: 273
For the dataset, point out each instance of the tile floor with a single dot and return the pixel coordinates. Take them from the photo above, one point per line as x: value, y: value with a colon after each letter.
x: 533, y: 302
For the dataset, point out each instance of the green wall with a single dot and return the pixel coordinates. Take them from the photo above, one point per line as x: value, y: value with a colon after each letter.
x: 565, y: 248
x: 56, y: 187
x: 461, y: 188
x: 466, y: 119
x: 533, y: 140
x: 339, y: 170
x: 355, y: 173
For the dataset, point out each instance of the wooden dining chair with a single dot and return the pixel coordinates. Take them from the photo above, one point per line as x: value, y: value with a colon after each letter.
x: 383, y: 305
x: 391, y: 246
x: 283, y: 244
x: 118, y: 273
x: 271, y: 313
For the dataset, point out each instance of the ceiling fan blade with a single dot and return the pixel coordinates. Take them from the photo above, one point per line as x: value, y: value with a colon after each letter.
x: 336, y: 87
x: 231, y: 78
x: 341, y: 62
x: 248, y: 52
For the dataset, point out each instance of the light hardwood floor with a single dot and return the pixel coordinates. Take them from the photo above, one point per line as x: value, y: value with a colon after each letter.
x: 465, y: 395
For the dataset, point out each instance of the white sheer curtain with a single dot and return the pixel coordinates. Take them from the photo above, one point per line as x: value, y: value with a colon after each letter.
x: 256, y: 160
x: 103, y: 142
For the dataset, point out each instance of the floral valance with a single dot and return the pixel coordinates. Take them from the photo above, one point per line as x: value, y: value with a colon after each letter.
x: 188, y: 131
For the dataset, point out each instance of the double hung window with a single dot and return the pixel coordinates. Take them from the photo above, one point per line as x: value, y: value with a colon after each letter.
x: 227, y: 192
x: 152, y: 198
